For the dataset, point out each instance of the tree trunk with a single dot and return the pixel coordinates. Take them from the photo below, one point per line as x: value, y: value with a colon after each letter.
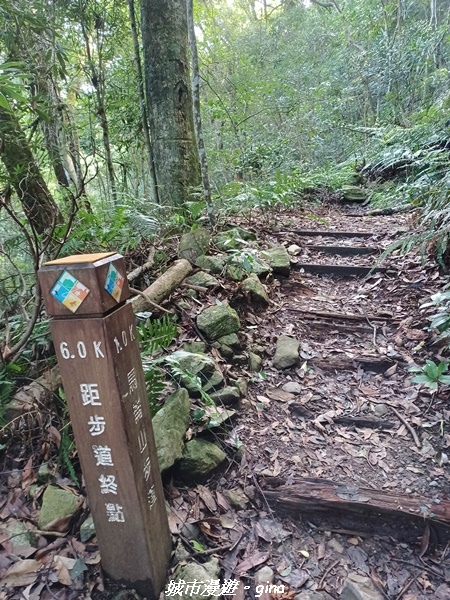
x: 197, y: 114
x: 169, y: 99
x: 97, y: 79
x: 143, y: 109
x: 25, y: 176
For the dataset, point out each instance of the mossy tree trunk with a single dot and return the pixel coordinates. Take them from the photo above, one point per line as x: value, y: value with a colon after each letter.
x: 25, y: 176
x: 169, y: 99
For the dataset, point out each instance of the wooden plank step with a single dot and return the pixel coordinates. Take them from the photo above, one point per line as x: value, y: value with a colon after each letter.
x: 344, y: 250
x: 327, y: 233
x: 336, y: 363
x: 339, y: 270
x: 314, y: 314
x: 317, y: 495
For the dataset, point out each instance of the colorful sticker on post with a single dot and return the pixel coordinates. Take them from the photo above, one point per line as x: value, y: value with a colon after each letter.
x: 114, y: 282
x: 69, y: 291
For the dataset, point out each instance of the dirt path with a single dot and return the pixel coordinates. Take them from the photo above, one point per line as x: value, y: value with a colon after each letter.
x: 351, y: 415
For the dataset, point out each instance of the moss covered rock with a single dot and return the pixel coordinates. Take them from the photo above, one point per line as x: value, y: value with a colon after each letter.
x: 200, y: 458
x: 169, y: 426
x: 217, y: 321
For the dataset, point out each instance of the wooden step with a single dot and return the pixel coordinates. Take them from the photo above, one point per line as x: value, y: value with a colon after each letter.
x: 344, y: 250
x: 339, y: 270
x: 328, y: 233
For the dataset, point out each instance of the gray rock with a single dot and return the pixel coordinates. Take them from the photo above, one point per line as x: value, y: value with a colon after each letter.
x: 18, y: 535
x: 254, y: 362
x: 353, y: 193
x: 264, y: 576
x: 260, y: 267
x: 214, y: 381
x: 200, y: 457
x: 169, y: 426
x: 232, y: 239
x: 231, y: 340
x: 236, y: 498
x: 195, y: 347
x: 194, y: 244
x: 199, y: 573
x: 228, y: 395
x: 286, y: 353
x: 240, y: 360
x: 217, y: 321
x: 292, y: 387
x: 202, y: 279
x: 242, y: 385
x: 357, y: 587
x: 87, y: 529
x: 214, y: 264
x: 279, y: 260
x: 56, y: 505
x: 228, y: 345
x: 184, y: 304
x: 294, y: 249
x: 193, y: 366
x: 225, y: 350
x: 244, y: 234
x: 381, y: 410
x: 257, y: 291
x: 306, y: 595
x: 235, y: 271
x: 44, y: 474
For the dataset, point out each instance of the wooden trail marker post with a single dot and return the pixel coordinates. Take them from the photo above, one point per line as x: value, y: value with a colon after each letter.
x: 94, y: 333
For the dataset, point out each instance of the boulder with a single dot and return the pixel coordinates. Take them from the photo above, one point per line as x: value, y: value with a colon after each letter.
x: 292, y: 387
x: 279, y: 260
x: 18, y: 535
x: 286, y: 353
x: 230, y: 340
x: 87, y: 529
x: 214, y: 381
x: 260, y: 267
x: 200, y: 457
x: 194, y: 572
x: 357, y: 587
x: 195, y: 347
x: 217, y: 321
x: 194, y: 244
x: 236, y: 498
x: 57, y: 505
x: 244, y: 234
x: 256, y: 290
x: 233, y: 239
x: 192, y: 366
x: 254, y: 362
x: 228, y: 395
x: 169, y: 426
x: 214, y: 264
x: 353, y: 193
x: 202, y: 279
x: 293, y: 249
x: 235, y: 271
x: 242, y: 385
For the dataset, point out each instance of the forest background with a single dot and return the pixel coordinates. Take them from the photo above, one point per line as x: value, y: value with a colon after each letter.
x: 294, y: 97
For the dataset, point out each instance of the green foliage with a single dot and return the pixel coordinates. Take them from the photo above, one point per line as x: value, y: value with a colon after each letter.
x: 431, y: 374
x: 441, y: 319
x: 154, y: 336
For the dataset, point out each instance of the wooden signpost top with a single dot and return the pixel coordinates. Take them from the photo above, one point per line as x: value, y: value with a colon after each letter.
x: 98, y: 353
x: 86, y: 284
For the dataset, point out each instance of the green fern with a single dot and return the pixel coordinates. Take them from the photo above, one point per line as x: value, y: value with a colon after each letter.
x: 154, y: 335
